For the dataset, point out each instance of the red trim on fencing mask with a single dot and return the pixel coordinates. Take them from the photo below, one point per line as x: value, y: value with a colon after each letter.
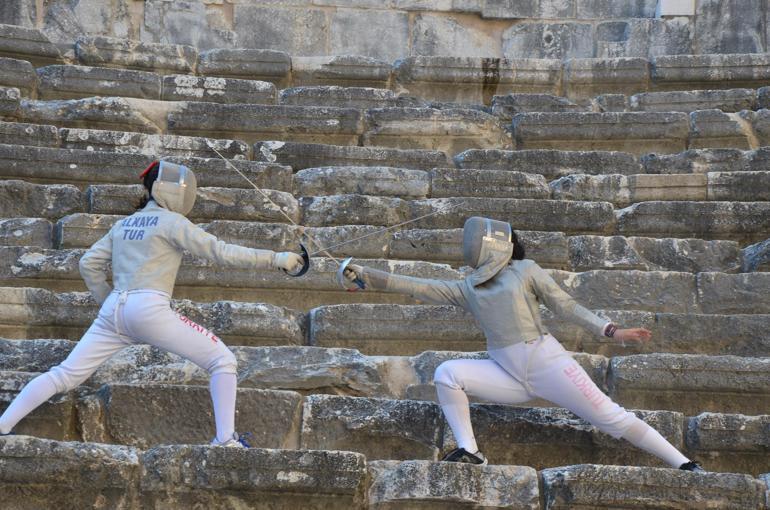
x: 147, y: 170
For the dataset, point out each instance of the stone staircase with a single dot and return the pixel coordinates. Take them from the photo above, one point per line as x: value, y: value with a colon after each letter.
x: 641, y: 183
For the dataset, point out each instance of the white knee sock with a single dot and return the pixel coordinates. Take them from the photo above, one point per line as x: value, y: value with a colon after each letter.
x: 456, y: 409
x: 223, y: 389
x: 37, y: 391
x: 652, y: 442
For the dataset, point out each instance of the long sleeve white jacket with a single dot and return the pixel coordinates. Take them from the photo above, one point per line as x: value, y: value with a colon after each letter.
x: 146, y: 250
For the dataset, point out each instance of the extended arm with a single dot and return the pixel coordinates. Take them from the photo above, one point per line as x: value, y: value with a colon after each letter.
x: 441, y: 292
x: 93, y: 268
x: 188, y: 236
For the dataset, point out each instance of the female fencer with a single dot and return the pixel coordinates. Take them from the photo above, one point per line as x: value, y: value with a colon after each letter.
x: 145, y: 251
x: 503, y: 293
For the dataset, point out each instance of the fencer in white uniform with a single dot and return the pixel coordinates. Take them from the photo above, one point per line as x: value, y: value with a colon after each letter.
x: 503, y: 293
x: 145, y: 251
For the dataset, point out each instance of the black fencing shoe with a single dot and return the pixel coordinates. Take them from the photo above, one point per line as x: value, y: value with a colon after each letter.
x: 692, y: 466
x: 462, y: 455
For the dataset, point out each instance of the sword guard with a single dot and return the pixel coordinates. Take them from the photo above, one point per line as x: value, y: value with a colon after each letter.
x: 343, y: 281
x: 305, y: 263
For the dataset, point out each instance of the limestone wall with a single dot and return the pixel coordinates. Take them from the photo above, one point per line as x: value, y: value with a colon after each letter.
x: 390, y: 29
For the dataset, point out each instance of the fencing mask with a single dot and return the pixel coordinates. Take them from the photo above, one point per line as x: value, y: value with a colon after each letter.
x: 487, y: 247
x: 175, y: 188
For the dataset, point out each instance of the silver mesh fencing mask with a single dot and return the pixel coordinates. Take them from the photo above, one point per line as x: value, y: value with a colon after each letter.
x: 487, y: 247
x: 175, y: 188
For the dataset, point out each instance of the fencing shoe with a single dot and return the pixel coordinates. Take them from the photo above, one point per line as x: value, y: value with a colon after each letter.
x: 464, y: 456
x: 234, y: 442
x: 692, y: 466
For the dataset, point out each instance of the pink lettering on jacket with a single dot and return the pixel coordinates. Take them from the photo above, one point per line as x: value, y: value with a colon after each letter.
x: 585, y: 385
x: 197, y: 327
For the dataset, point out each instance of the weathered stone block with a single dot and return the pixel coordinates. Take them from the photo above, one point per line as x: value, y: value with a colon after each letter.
x: 550, y: 163
x: 683, y: 72
x: 712, y: 128
x: 151, y: 145
x: 198, y: 476
x: 451, y: 131
x: 257, y: 122
x: 181, y: 87
x: 521, y: 213
x: 382, y: 181
x: 756, y: 257
x: 353, y: 210
x: 610, y: 103
x: 763, y: 97
x: 309, y: 155
x: 760, y: 123
x: 513, y: 9
x: 691, y: 383
x: 643, y: 38
x: 741, y: 221
x: 33, y: 355
x: 296, y: 31
x: 475, y: 80
x: 28, y: 44
x: 377, y: 428
x: 548, y: 436
x: 10, y: 101
x: 26, y: 232
x: 418, y: 482
x: 450, y: 182
x: 81, y: 230
x: 731, y: 100
x: 23, y: 199
x: 597, y: 9
x: 558, y: 41
x: 623, y: 190
x: 637, y: 132
x: 733, y: 442
x: 342, y: 97
x: 696, y: 161
x: 505, y: 107
x: 655, y: 291
x: 132, y: 54
x: 55, y: 419
x: 587, y: 77
x: 389, y: 329
x: 219, y: 203
x: 734, y: 293
x: 39, y: 473
x: 19, y: 74
x: 73, y: 82
x: 726, y: 28
x: 341, y: 70
x: 117, y: 113
x: 647, y: 253
x: 589, y: 486
x: 17, y: 133
x: 37, y: 312
x: 251, y: 64
x: 741, y: 186
x: 375, y: 33
x: 123, y: 414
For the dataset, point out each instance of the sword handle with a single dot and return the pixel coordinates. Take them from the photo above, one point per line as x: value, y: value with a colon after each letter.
x: 305, y: 263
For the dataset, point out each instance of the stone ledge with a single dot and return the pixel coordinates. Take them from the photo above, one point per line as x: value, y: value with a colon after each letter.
x: 28, y: 44
x: 75, y: 82
x: 19, y: 74
x: 130, y: 54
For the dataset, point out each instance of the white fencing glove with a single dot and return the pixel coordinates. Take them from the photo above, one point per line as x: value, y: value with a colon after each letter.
x: 288, y: 261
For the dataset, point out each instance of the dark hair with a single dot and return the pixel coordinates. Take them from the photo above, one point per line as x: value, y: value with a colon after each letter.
x: 518, y: 247
x: 149, y: 177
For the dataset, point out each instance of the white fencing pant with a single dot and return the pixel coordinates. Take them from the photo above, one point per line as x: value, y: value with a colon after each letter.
x: 126, y: 318
x: 539, y: 369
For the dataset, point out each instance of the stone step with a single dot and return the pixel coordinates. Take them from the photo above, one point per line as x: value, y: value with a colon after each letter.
x: 595, y: 486
x: 84, y: 168
x: 36, y: 312
x: 131, y: 54
x: 18, y: 74
x: 183, y: 476
x: 342, y: 97
x: 550, y: 249
x: 699, y: 161
x: 28, y: 44
x: 711, y: 293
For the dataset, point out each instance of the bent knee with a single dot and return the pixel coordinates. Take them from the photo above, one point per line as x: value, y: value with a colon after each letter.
x: 448, y: 375
x: 224, y: 363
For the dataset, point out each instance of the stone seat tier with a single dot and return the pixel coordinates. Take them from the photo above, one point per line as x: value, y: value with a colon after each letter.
x: 710, y: 292
x: 383, y: 429
x: 550, y: 249
x: 197, y: 476
x: 391, y: 329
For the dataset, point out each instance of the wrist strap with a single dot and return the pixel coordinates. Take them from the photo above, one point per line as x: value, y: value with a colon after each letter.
x: 610, y: 330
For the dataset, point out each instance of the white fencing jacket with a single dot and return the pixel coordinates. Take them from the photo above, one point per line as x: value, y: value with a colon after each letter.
x: 146, y: 250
